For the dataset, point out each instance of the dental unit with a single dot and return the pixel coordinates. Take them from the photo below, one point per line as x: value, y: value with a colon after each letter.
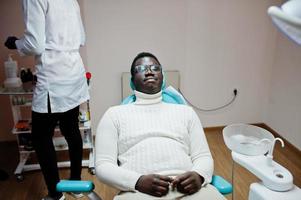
x: 252, y: 147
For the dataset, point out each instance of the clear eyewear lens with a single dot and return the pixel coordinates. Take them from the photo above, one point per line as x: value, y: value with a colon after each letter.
x: 143, y: 68
x: 155, y: 68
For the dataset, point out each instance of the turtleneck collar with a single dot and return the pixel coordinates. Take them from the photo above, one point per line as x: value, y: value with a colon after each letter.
x: 147, y: 99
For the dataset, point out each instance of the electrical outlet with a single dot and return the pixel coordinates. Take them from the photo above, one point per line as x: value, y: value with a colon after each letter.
x: 235, y: 92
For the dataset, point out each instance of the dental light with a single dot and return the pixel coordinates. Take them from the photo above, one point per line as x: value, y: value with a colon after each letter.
x: 287, y: 18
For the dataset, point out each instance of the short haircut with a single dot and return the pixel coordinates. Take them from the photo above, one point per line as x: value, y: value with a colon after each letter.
x: 141, y: 55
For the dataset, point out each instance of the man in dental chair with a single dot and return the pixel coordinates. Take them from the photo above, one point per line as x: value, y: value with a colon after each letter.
x: 150, y: 149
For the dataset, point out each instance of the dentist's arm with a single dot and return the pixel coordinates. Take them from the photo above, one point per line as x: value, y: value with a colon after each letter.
x: 33, y: 41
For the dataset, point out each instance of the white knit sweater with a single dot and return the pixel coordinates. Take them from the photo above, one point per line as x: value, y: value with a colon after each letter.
x: 147, y: 137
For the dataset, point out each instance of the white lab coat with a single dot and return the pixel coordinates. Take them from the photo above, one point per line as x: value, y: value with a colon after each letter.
x: 53, y: 33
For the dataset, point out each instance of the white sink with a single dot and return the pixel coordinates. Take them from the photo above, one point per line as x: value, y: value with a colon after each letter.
x: 274, y: 176
x: 249, y: 144
x: 247, y: 139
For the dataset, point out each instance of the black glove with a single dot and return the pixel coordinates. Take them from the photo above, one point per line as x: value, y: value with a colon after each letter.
x: 10, y: 42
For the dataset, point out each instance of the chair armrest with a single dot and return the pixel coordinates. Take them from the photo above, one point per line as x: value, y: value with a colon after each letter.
x: 221, y: 184
x: 75, y: 186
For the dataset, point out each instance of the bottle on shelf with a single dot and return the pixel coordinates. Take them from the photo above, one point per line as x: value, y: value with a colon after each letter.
x: 11, y: 70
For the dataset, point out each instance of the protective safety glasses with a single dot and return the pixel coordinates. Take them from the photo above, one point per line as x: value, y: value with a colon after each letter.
x: 143, y: 68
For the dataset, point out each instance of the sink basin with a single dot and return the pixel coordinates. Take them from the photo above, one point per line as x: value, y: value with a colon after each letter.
x: 247, y: 139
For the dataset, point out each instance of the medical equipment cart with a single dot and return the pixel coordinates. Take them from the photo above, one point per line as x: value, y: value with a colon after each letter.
x: 20, y: 99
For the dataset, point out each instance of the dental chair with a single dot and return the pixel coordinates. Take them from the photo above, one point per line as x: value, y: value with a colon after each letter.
x: 169, y: 95
x: 87, y: 187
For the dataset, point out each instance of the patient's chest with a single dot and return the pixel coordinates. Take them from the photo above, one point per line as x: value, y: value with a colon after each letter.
x: 140, y: 124
x: 155, y: 136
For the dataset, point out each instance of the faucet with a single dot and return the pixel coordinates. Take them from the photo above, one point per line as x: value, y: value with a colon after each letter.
x: 270, y: 153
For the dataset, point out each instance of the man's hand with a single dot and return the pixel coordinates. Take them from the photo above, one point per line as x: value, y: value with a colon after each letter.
x: 188, y: 183
x: 10, y: 42
x: 153, y: 184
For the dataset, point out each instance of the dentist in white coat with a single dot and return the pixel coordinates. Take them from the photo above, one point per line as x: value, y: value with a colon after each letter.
x: 53, y: 34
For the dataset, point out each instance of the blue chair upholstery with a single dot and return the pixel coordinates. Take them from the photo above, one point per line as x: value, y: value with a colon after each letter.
x: 75, y: 186
x: 221, y: 184
x: 86, y: 187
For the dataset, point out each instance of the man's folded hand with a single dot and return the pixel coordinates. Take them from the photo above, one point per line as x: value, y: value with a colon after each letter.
x: 153, y: 184
x: 188, y: 183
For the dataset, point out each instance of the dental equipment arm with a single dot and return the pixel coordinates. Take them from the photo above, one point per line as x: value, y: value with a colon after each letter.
x: 288, y: 19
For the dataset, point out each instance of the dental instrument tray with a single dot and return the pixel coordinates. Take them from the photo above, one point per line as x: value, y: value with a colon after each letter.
x: 247, y: 139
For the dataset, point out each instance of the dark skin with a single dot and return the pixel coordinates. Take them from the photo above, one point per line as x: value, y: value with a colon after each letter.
x: 157, y: 185
x: 153, y: 184
x: 188, y: 183
x: 149, y: 82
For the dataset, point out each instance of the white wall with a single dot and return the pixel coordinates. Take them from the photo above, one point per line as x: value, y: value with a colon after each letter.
x: 228, y: 46
x: 118, y: 30
x: 284, y: 106
x: 216, y: 45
